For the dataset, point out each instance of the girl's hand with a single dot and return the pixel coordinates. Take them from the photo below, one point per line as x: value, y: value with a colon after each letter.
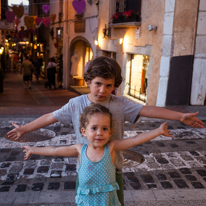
x: 27, y: 150
x: 191, y: 120
x: 15, y: 133
x: 164, y: 130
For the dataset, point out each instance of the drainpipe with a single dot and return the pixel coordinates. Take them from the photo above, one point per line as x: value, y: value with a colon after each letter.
x: 65, y: 46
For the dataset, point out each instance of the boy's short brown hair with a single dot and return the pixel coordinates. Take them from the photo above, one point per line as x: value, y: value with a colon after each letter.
x: 104, y: 67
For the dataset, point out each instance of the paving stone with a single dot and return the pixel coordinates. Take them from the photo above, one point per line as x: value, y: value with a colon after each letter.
x: 34, y: 157
x: 154, y: 186
x: 16, y: 168
x: 15, y: 153
x: 57, y: 166
x: 53, y: 186
x: 4, y: 189
x: 57, y: 128
x: 8, y: 183
x: 63, y: 141
x: 11, y: 159
x: 161, y: 176
x: 177, y: 162
x: 147, y: 178
x: 69, y: 185
x: 37, y: 186
x: 133, y: 179
x: 11, y: 176
x: 186, y: 157
x: 59, y: 159
x: 185, y: 171
x: 204, y: 179
x: 5, y: 165
x: 21, y: 188
x: 45, y: 162
x: 162, y: 160
x: 70, y: 167
x: 160, y: 144
x: 174, y: 145
x: 174, y: 174
x: 5, y: 150
x: 166, y: 185
x: 43, y: 169
x: 190, y: 142
x: 3, y: 172
x: 136, y: 185
x: 201, y: 160
x: 28, y: 171
x: 191, y: 177
x: 197, y: 185
x: 180, y: 183
x: 55, y: 174
x: 201, y: 172
x: 194, y: 153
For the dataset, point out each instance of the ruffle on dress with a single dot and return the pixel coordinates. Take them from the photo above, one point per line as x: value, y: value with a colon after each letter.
x: 99, y: 188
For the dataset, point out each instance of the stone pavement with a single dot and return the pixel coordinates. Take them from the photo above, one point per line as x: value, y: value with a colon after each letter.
x: 173, y: 172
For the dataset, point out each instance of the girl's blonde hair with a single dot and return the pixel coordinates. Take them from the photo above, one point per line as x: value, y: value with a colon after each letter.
x: 91, y: 110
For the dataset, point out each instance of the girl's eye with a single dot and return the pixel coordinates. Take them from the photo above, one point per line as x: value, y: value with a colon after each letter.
x: 109, y: 85
x: 105, y: 129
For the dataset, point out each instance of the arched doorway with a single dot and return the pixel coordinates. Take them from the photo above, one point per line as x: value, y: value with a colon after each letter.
x: 80, y: 55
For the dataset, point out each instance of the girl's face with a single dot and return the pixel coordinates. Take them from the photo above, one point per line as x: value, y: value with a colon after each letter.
x: 98, y: 130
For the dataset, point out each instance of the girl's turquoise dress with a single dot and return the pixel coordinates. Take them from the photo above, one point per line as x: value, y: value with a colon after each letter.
x: 97, y: 181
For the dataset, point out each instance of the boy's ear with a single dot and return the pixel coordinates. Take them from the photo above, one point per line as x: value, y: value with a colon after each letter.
x: 83, y: 130
x: 88, y: 83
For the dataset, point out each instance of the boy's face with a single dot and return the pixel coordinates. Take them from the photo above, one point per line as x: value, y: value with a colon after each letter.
x: 100, y: 89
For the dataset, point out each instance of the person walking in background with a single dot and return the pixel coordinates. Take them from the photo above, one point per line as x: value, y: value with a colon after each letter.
x: 97, y: 171
x: 27, y: 67
x: 51, y: 71
x: 37, y: 67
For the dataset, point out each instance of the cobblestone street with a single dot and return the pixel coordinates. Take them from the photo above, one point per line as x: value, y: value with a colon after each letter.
x: 173, y: 171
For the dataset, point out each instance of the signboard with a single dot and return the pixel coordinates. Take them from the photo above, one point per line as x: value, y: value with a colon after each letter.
x: 5, y: 25
x: 79, y: 26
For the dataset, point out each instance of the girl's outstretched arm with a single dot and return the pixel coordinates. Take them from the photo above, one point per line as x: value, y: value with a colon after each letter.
x: 68, y: 151
x: 162, y: 113
x: 141, y: 138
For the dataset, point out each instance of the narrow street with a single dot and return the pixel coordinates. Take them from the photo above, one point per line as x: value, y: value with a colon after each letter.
x: 173, y: 171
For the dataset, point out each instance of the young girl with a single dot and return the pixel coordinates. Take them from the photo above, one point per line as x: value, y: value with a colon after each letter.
x: 97, y: 183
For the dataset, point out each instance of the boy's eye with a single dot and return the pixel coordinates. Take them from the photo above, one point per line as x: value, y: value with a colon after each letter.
x: 98, y: 84
x: 93, y: 128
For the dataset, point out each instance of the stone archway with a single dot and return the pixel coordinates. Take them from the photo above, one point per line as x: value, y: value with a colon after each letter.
x: 80, y: 53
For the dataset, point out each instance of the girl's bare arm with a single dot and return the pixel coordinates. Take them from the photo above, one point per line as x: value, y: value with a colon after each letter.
x: 141, y: 138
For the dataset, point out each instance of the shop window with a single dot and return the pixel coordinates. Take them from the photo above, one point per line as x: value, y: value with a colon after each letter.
x: 138, y: 76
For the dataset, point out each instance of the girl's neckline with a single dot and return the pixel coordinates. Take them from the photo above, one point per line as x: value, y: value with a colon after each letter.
x: 99, y: 159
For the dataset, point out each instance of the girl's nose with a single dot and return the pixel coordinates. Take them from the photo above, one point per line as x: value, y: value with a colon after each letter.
x: 99, y: 132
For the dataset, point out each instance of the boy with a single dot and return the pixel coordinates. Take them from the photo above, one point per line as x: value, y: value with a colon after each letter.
x: 103, y: 76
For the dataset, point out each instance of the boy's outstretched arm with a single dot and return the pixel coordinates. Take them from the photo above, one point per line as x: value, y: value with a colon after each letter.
x: 119, y: 145
x: 42, y: 121
x: 162, y: 113
x: 68, y: 151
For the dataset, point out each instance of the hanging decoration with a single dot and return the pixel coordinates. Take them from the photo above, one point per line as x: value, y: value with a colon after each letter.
x: 53, y: 17
x: 17, y: 21
x: 38, y: 20
x: 79, y: 5
x: 55, y: 44
x: 10, y: 16
x: 29, y: 21
x: 46, y: 21
x: 52, y: 32
x: 45, y: 8
x: 19, y: 11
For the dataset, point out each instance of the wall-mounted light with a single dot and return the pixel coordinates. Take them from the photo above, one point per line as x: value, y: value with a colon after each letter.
x: 35, y: 47
x: 96, y: 42
x: 120, y: 40
x: 106, y: 31
x: 37, y: 44
x: 152, y: 28
x: 6, y: 40
x: 1, y: 51
x: 27, y: 42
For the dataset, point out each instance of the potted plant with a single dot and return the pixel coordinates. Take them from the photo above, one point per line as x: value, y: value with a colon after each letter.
x: 117, y: 17
x: 1, y: 79
x: 130, y: 16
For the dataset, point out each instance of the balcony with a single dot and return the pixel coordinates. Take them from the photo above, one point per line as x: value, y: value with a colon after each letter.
x: 127, y: 14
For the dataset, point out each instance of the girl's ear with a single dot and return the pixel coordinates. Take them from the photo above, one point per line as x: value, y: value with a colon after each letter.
x: 83, y: 130
x: 111, y: 131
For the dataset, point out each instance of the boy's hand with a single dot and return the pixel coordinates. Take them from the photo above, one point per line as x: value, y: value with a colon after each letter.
x: 15, y: 133
x: 164, y: 130
x: 191, y: 120
x: 27, y: 150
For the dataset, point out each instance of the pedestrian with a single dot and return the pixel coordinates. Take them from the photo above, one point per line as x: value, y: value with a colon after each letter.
x: 97, y: 182
x: 103, y: 76
x: 51, y: 71
x: 37, y: 67
x: 27, y: 67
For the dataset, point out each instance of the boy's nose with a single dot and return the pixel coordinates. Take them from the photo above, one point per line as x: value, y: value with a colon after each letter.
x: 102, y: 89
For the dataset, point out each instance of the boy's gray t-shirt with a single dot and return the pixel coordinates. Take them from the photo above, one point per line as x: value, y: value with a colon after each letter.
x: 122, y: 110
